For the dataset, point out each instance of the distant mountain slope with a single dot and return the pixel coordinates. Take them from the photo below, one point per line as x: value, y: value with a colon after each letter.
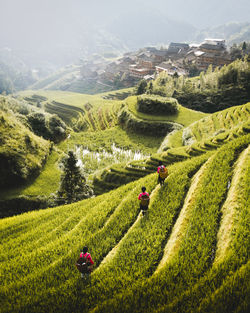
x: 138, y: 28
x: 232, y: 32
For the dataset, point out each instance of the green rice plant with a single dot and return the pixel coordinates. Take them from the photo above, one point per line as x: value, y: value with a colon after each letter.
x: 69, y: 114
x: 60, y: 222
x: 196, y: 253
x: 42, y: 256
x: 139, y: 227
x: 231, y: 255
x: 177, y: 154
x: 46, y: 183
x: 72, y: 238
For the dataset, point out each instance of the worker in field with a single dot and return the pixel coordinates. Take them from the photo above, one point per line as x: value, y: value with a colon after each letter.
x: 144, y: 200
x: 162, y: 173
x: 85, y: 264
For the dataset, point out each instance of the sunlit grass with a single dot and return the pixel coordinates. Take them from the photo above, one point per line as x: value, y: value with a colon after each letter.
x: 184, y: 117
x: 45, y: 184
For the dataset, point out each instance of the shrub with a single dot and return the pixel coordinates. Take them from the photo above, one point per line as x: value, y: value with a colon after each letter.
x: 133, y: 124
x: 38, y: 124
x: 156, y: 105
x: 141, y: 87
x: 47, y: 126
x: 57, y: 128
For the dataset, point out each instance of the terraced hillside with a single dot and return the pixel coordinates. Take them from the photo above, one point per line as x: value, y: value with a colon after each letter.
x: 190, y: 253
x: 96, y: 137
x: 81, y: 112
x: 206, y: 134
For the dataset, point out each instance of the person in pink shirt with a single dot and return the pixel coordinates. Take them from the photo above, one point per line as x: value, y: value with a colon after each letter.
x: 144, y: 198
x: 85, y: 256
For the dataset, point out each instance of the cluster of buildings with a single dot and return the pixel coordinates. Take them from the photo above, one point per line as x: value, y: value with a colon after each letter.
x: 177, y: 59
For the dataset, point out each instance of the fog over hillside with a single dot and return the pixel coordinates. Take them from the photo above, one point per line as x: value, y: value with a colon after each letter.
x: 61, y: 31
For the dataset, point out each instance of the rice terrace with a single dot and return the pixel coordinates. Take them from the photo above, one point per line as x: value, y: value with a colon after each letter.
x: 187, y: 253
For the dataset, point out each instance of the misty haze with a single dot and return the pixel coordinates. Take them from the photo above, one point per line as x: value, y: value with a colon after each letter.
x: 124, y: 156
x: 59, y: 32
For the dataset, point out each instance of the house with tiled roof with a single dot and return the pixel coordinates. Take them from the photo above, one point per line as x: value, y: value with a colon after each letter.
x: 177, y: 48
x: 159, y: 55
x: 212, y: 51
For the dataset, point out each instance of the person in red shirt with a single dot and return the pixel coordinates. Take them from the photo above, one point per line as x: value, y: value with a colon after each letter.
x: 90, y: 263
x: 144, y: 198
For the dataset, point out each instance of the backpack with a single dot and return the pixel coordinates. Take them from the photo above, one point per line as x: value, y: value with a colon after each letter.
x: 82, y: 264
x: 163, y: 172
x: 144, y: 200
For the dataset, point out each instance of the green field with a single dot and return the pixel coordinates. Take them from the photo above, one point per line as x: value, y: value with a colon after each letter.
x: 189, y: 253
x: 206, y: 134
x: 98, y: 114
x: 184, y: 117
x: 175, y: 251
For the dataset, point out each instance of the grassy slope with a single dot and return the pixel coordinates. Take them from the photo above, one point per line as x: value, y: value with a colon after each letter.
x: 72, y: 98
x: 210, y: 125
x: 104, y: 138
x: 45, y: 184
x: 211, y: 132
x: 50, y: 240
x: 26, y: 151
x: 52, y: 79
x: 184, y: 117
x: 48, y: 181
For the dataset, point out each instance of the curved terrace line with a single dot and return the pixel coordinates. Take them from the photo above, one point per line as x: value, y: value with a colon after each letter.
x: 180, y: 227
x: 229, y: 207
x: 112, y: 253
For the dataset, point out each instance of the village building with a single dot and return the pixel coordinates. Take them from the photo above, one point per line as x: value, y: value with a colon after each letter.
x: 139, y: 72
x: 213, y: 44
x: 110, y: 71
x: 216, y: 60
x: 170, y: 68
x: 149, y: 49
x: 178, y: 48
x: 212, y: 51
x: 159, y: 55
x: 147, y: 62
x: 123, y: 64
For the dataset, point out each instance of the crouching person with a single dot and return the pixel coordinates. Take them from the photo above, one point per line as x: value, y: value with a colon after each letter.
x: 85, y: 264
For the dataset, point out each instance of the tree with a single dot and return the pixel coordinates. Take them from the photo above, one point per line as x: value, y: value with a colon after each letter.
x: 151, y: 87
x: 73, y: 185
x: 141, y: 87
x: 57, y: 128
x: 244, y: 48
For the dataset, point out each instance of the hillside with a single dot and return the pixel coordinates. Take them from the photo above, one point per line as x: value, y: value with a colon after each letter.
x: 186, y: 255
x: 232, y: 32
x: 95, y: 136
x: 22, y: 154
x: 206, y: 134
